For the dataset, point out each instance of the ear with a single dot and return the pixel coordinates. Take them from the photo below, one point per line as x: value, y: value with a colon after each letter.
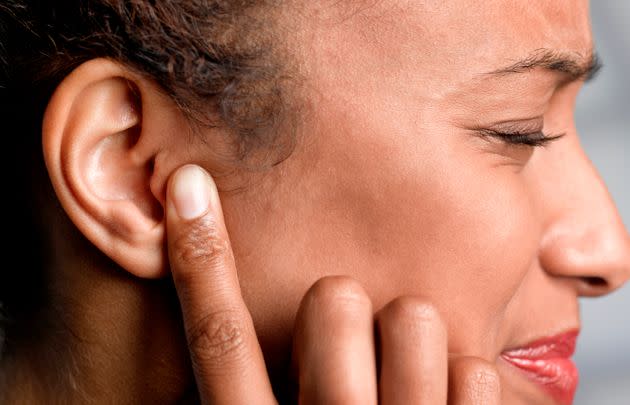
x: 103, y: 130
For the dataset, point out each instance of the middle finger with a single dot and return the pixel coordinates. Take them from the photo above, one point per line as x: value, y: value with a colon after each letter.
x: 334, y: 344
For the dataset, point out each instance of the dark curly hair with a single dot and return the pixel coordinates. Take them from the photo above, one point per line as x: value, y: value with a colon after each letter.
x: 212, y: 57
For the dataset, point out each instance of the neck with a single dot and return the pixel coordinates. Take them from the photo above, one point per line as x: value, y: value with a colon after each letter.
x: 111, y: 339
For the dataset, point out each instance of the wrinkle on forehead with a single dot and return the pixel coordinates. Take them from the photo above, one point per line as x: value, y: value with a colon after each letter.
x: 562, y: 24
x: 447, y: 35
x: 349, y: 9
x: 432, y: 50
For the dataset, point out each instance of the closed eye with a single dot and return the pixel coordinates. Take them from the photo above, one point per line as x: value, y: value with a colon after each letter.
x: 534, y: 139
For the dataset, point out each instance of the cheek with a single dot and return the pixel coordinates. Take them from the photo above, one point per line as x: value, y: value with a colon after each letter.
x: 462, y: 234
x: 405, y: 212
x: 424, y: 216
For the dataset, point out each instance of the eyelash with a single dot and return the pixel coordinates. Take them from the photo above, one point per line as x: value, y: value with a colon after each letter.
x: 534, y: 139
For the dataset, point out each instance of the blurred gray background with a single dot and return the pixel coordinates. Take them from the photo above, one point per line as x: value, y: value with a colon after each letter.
x: 603, y: 119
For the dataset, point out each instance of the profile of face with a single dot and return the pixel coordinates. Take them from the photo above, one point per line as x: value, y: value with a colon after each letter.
x: 438, y: 159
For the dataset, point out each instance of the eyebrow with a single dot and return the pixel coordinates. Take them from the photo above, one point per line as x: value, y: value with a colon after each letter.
x: 573, y: 66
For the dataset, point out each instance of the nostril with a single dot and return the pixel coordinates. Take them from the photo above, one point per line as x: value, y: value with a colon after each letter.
x: 596, y: 281
x: 593, y: 286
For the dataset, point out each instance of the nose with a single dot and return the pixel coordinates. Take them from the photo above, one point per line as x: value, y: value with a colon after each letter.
x: 584, y: 238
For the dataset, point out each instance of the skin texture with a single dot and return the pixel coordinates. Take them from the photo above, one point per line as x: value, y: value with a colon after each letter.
x: 389, y: 185
x: 499, y: 238
x: 335, y: 350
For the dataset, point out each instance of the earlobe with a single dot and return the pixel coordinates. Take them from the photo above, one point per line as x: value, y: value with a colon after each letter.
x: 100, y: 157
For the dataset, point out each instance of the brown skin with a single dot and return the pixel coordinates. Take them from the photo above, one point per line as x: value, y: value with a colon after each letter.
x: 334, y: 349
x: 389, y: 185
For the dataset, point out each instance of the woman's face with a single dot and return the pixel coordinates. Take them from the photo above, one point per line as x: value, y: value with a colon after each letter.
x: 400, y: 178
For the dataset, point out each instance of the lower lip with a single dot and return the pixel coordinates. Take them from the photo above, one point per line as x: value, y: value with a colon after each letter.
x: 548, y: 363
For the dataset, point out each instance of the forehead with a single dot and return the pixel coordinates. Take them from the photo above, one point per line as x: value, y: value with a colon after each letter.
x: 443, y: 35
x: 562, y: 23
x: 437, y: 46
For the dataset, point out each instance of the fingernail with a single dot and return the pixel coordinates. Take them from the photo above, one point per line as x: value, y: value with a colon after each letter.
x: 191, y: 192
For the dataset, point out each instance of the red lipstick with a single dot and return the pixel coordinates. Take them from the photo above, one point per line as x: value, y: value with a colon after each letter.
x: 548, y: 363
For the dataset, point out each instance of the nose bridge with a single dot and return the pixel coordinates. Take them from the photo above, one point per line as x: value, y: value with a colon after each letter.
x: 589, y: 194
x: 584, y: 235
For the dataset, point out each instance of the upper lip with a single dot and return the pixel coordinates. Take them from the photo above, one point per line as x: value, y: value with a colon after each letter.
x: 561, y: 345
x: 547, y: 361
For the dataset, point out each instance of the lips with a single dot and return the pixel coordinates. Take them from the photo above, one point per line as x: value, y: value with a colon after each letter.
x: 548, y: 363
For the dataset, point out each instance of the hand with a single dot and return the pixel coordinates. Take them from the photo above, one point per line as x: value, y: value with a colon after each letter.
x: 335, y: 349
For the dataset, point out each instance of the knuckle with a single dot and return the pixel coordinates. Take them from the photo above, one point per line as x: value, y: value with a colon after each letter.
x: 485, y: 379
x: 217, y: 338
x: 478, y: 378
x: 201, y: 244
x: 410, y: 311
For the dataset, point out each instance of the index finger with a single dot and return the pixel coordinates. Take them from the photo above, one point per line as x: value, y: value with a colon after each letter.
x: 226, y: 357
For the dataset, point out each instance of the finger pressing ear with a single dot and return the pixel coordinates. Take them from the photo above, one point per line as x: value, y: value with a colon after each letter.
x: 226, y: 356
